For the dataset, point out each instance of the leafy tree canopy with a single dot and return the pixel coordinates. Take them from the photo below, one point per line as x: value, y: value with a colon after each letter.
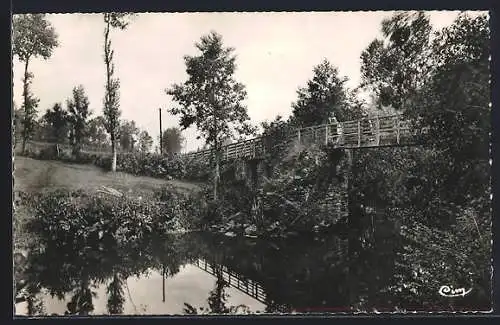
x: 323, y: 98
x: 33, y: 36
x: 211, y: 98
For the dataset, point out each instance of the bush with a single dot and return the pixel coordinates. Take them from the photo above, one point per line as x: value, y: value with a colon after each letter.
x: 49, y: 153
x: 154, y: 165
x: 103, y: 162
x: 84, y: 218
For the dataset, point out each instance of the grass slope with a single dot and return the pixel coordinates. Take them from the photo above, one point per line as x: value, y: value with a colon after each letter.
x: 40, y: 175
x: 31, y: 175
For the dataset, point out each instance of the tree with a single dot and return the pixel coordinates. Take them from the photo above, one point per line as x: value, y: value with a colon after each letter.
x: 172, y: 140
x: 443, y: 186
x: 396, y: 67
x: 128, y: 135
x: 454, y: 106
x: 79, y: 113
x: 211, y: 98
x: 112, y: 97
x: 33, y: 36
x: 145, y: 142
x: 323, y: 98
x: 57, y: 120
x: 97, y: 134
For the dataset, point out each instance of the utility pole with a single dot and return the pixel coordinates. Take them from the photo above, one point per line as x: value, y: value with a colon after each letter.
x: 163, y: 282
x: 161, y: 145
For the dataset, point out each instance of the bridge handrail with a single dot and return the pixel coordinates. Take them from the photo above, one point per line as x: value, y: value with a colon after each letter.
x: 330, y: 126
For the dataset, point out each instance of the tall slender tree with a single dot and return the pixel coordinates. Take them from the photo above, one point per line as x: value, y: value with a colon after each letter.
x: 112, y: 97
x: 33, y: 36
x: 211, y: 98
x: 79, y: 112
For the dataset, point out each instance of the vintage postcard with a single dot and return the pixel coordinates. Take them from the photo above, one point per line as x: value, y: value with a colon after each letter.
x: 251, y: 163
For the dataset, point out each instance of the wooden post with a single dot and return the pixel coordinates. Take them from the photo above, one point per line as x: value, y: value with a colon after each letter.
x: 359, y: 133
x: 378, y: 131
x: 299, y: 135
x: 396, y: 120
x: 326, y: 134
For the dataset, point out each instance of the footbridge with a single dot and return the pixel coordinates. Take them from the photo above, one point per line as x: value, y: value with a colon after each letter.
x: 369, y: 132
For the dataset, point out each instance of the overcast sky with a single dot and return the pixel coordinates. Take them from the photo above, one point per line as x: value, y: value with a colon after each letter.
x: 276, y: 53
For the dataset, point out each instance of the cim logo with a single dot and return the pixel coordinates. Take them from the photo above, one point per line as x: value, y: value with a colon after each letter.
x: 448, y: 291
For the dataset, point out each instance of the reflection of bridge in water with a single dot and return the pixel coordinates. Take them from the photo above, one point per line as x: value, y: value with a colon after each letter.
x: 244, y: 285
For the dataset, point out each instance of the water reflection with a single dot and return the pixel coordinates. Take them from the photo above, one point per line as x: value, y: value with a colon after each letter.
x: 197, y: 273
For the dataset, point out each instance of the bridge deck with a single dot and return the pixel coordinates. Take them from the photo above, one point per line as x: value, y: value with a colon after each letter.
x: 363, y: 133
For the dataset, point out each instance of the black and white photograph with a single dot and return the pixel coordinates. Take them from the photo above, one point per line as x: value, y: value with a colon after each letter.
x: 251, y: 163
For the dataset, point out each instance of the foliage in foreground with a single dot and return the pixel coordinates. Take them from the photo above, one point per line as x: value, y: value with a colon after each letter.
x: 82, y: 217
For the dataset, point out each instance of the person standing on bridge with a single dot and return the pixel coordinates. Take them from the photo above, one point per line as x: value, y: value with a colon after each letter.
x: 338, y: 133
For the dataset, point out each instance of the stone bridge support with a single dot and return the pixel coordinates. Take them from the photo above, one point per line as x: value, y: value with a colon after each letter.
x: 256, y: 170
x: 252, y: 171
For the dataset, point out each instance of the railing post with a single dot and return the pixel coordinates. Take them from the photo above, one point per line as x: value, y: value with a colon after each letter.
x: 326, y: 134
x: 359, y: 133
x: 396, y: 120
x: 378, y: 131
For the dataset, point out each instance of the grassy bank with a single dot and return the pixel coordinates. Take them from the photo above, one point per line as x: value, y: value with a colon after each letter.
x: 39, y: 175
x: 35, y: 176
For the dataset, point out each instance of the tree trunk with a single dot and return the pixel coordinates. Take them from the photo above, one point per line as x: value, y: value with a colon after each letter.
x: 25, y: 99
x: 113, y: 160
x: 216, y: 173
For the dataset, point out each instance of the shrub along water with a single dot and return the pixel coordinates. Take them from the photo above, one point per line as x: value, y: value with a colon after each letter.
x: 92, y: 217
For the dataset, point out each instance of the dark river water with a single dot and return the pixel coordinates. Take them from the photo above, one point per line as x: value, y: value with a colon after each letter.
x: 198, y: 273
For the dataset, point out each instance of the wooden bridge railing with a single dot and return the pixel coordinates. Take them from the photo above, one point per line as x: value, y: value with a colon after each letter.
x: 390, y: 130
